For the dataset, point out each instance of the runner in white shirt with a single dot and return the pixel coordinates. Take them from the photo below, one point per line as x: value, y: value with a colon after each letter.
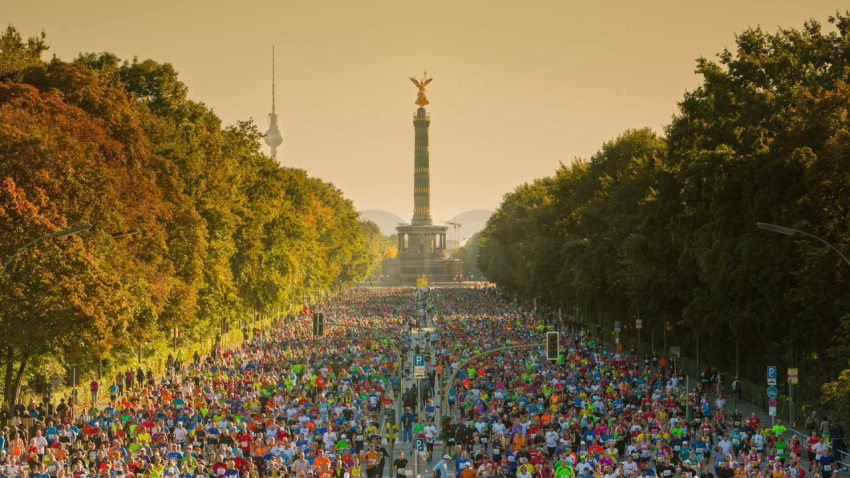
x: 758, y: 441
x: 630, y: 468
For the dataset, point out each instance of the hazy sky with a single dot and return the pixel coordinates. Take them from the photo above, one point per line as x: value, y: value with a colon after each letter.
x: 518, y: 86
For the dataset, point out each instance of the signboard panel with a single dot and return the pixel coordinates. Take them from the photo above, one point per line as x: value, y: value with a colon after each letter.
x: 772, y: 392
x: 793, y: 378
x: 771, y: 375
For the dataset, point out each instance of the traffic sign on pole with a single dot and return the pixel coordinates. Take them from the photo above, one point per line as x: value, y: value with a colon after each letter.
x: 420, y: 444
x: 771, y: 403
x: 771, y: 375
x: 772, y: 392
x: 792, y: 376
x: 418, y: 366
x: 616, y: 326
x: 638, y: 324
x: 771, y: 411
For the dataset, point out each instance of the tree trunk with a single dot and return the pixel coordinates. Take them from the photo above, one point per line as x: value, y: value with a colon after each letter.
x: 19, y: 377
x: 7, y: 379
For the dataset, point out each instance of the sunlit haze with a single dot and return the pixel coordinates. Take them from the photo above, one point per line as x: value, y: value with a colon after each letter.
x: 518, y: 86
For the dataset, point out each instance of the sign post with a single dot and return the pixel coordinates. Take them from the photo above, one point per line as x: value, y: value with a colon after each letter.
x: 771, y: 375
x: 420, y: 455
x: 793, y: 376
x: 793, y: 379
x: 418, y: 366
x: 617, y: 335
x: 675, y: 354
x: 419, y: 374
x: 638, y: 326
x: 772, y: 393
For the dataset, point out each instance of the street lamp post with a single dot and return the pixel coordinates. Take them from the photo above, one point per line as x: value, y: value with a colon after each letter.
x: 119, y: 235
x: 797, y: 233
x: 61, y: 233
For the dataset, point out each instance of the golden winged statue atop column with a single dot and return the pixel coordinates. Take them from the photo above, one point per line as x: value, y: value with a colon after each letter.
x: 421, y: 99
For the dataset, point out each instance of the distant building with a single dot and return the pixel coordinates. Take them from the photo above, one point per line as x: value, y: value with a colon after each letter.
x: 422, y: 245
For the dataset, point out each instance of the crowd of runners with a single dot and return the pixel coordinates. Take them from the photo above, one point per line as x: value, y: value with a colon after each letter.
x: 287, y: 404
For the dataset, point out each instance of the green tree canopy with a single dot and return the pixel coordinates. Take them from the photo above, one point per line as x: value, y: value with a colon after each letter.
x: 663, y: 229
x: 225, y: 231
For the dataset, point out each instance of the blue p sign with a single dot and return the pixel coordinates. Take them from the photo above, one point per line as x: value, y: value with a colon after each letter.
x: 419, y: 360
x: 420, y: 444
x: 771, y: 372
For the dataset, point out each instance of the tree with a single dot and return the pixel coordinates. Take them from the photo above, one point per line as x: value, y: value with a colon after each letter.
x: 17, y: 55
x: 118, y: 144
x: 58, y: 298
x: 378, y: 246
x: 468, y: 253
x: 664, y: 229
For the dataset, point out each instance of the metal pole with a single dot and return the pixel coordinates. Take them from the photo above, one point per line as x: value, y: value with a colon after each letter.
x: 790, y: 404
x: 794, y: 232
x: 61, y: 233
x: 638, y: 346
x: 697, y: 353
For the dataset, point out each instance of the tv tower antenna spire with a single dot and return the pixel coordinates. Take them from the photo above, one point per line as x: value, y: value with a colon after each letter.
x: 272, y: 136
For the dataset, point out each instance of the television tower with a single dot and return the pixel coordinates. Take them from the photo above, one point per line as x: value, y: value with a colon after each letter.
x: 272, y: 136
